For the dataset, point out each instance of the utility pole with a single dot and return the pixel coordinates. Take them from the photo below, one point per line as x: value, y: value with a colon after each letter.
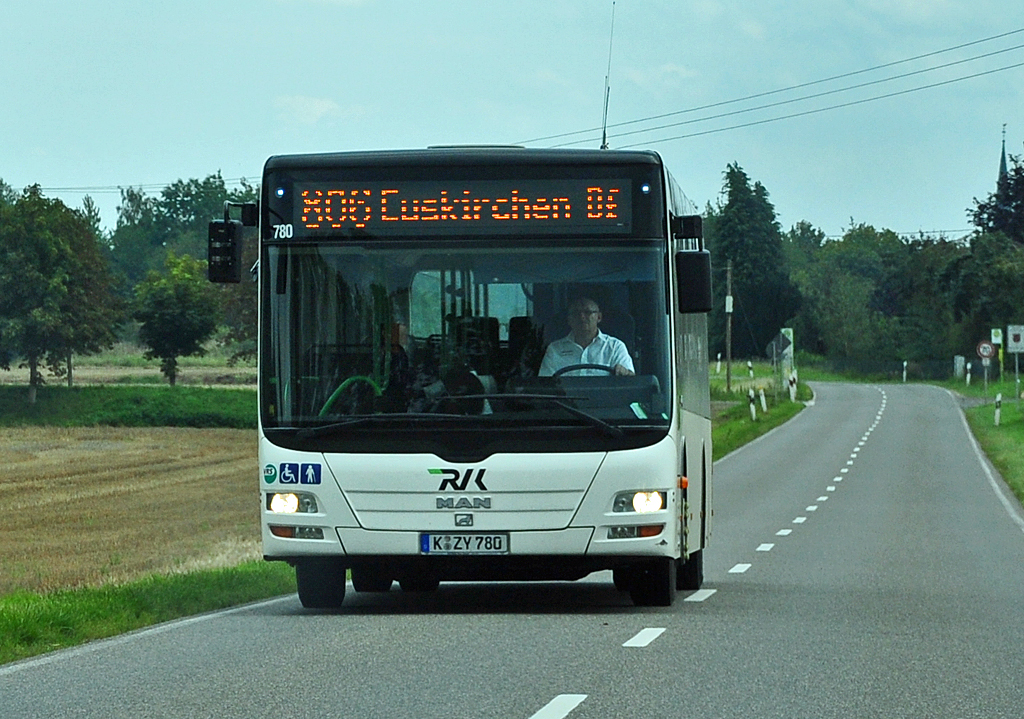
x: 728, y: 327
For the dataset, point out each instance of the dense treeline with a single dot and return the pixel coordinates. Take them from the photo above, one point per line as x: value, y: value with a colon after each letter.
x: 870, y: 297
x: 67, y: 286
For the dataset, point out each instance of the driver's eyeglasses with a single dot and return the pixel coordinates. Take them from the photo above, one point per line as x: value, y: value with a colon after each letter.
x: 585, y: 313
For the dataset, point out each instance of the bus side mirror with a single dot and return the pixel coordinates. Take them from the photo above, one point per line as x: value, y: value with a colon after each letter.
x: 224, y: 251
x: 693, y: 278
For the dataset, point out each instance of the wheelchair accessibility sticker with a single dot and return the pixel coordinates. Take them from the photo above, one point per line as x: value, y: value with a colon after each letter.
x: 295, y: 473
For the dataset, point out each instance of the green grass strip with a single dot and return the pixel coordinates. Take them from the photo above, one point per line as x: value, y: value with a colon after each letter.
x: 32, y: 624
x: 1002, y: 444
x: 158, y: 406
x: 734, y: 428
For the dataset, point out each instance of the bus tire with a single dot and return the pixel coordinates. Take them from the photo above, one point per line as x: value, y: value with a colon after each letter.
x: 321, y: 584
x: 654, y: 583
x: 622, y: 578
x: 690, y: 572
x: 367, y: 579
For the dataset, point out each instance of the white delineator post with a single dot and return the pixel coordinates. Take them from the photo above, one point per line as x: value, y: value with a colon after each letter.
x: 999, y: 406
x: 750, y: 400
x: 764, y: 403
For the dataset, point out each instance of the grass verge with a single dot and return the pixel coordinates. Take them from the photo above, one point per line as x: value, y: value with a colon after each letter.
x: 129, y: 407
x: 733, y: 428
x: 32, y: 624
x: 1002, y: 444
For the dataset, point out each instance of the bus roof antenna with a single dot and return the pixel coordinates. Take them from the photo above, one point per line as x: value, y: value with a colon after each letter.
x: 607, y: 84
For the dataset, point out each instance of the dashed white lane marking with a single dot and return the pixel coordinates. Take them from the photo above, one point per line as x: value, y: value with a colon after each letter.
x: 700, y: 595
x: 765, y: 547
x: 784, y: 532
x: 822, y: 498
x: 560, y: 706
x: 812, y: 508
x: 830, y: 488
x: 739, y: 569
x: 644, y: 637
x: 799, y: 520
x: 845, y: 470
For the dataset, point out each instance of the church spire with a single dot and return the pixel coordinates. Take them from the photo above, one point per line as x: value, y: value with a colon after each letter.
x: 1002, y: 158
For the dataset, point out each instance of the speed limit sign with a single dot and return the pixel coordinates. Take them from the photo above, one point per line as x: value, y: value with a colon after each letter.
x: 986, y: 350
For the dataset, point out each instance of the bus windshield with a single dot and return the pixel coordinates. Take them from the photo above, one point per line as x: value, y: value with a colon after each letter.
x: 399, y: 336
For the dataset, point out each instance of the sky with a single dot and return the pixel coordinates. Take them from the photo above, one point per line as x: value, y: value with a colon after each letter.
x: 102, y: 94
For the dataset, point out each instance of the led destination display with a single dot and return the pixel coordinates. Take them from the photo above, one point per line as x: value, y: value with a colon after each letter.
x: 570, y: 207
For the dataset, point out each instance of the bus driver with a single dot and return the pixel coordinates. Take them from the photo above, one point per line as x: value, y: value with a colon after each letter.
x: 586, y: 344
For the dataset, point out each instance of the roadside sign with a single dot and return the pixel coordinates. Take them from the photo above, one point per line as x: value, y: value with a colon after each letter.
x: 997, y: 336
x: 1015, y: 338
x: 986, y: 350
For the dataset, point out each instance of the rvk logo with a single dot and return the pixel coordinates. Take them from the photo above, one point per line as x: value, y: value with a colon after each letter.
x: 458, y: 481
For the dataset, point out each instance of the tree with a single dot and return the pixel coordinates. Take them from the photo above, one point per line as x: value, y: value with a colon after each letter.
x: 744, y: 229
x: 177, y: 312
x: 92, y: 311
x: 988, y: 291
x: 55, y: 296
x: 1003, y: 211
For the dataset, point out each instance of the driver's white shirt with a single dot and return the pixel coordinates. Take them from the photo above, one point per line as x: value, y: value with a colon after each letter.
x: 604, y: 350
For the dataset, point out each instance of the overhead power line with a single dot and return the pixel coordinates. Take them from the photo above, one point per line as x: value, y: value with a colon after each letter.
x: 777, y: 91
x: 803, y: 98
x: 110, y: 189
x: 829, y: 107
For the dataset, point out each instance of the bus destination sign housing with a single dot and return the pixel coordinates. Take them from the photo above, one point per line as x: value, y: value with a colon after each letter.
x: 598, y: 206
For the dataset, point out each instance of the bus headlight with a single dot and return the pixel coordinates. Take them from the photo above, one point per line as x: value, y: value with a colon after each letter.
x: 641, y: 502
x: 292, y: 503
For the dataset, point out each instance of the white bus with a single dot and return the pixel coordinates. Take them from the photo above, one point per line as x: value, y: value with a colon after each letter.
x: 408, y: 431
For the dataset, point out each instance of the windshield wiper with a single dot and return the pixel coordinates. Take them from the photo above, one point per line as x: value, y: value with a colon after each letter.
x: 558, y: 401
x: 323, y: 429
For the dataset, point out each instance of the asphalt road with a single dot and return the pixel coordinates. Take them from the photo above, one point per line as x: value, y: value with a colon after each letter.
x: 865, y: 563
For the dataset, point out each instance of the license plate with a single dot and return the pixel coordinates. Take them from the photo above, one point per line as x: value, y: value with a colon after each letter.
x: 464, y: 543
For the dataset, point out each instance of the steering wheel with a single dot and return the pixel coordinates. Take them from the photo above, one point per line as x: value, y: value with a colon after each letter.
x: 573, y: 367
x: 345, y: 385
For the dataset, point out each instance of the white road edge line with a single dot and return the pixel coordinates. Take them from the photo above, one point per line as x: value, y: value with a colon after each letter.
x: 1009, y: 506
x: 644, y: 637
x: 560, y: 706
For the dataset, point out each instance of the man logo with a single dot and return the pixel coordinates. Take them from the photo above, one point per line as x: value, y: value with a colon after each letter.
x: 463, y: 503
x: 456, y: 481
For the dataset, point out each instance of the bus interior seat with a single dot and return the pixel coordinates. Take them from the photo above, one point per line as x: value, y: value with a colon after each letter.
x: 525, y: 344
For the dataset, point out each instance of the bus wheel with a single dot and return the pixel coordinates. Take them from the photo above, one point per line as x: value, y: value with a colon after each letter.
x: 321, y: 584
x: 690, y: 573
x: 622, y: 578
x: 654, y: 583
x: 367, y: 579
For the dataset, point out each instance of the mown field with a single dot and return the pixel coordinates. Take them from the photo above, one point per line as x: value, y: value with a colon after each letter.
x: 83, y: 506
